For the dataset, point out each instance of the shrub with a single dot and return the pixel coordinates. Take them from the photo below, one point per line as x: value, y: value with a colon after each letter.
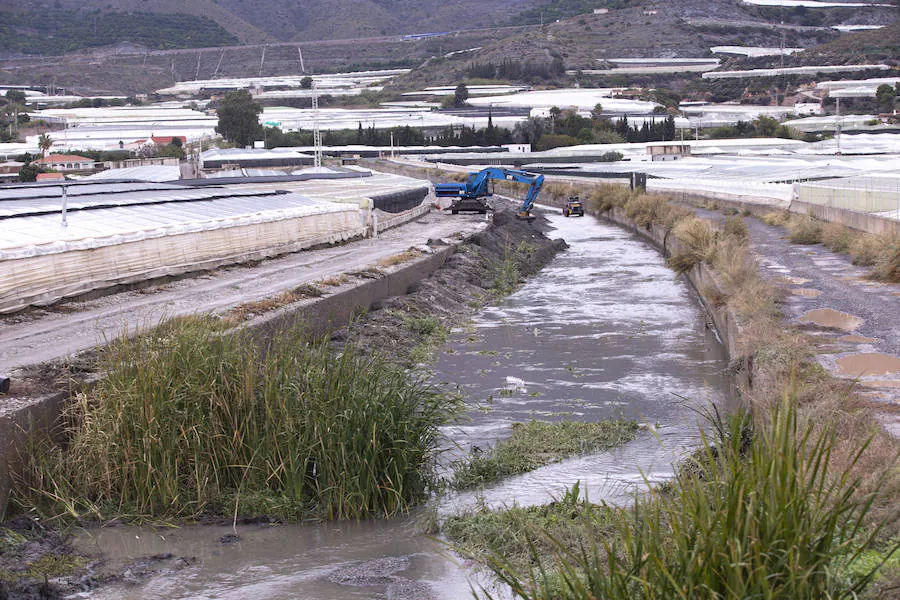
x: 866, y: 250
x: 838, y: 237
x: 760, y: 516
x: 777, y: 218
x: 805, y: 230
x: 736, y: 228
x: 888, y: 267
x: 607, y: 196
x: 645, y: 209
x: 698, y: 240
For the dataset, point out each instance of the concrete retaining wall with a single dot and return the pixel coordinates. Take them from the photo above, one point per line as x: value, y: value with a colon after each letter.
x: 701, y: 277
x: 869, y: 222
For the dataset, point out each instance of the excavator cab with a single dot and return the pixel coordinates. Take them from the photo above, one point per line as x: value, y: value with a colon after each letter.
x: 573, y: 207
x: 470, y: 195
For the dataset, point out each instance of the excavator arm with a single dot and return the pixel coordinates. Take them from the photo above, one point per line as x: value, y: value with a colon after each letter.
x: 469, y: 194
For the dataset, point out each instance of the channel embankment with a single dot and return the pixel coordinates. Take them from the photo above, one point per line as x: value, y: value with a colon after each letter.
x: 446, y: 277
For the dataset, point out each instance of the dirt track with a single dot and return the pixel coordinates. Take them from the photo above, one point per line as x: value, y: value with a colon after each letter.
x: 43, y: 335
x: 855, y: 320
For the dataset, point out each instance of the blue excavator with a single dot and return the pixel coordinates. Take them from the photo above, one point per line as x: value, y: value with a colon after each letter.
x: 470, y: 196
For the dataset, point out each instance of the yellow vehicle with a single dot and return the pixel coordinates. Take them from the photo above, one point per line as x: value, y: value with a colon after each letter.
x: 573, y: 207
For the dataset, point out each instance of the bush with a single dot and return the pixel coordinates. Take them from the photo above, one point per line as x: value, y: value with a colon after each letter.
x: 607, y: 196
x: 837, y: 237
x: 805, y: 230
x: 888, y: 267
x: 698, y: 240
x: 645, y: 209
x: 866, y: 250
x: 736, y: 228
x: 777, y: 218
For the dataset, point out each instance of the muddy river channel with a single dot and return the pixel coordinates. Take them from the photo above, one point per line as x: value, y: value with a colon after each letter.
x: 605, y: 330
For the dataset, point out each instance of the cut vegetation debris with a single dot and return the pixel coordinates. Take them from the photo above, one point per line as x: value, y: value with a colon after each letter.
x: 246, y: 310
x: 522, y: 535
x: 535, y: 444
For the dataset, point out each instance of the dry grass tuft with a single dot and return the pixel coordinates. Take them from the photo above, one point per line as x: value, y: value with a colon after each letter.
x: 335, y: 281
x: 888, y: 267
x: 646, y: 209
x: 837, y: 237
x: 400, y: 258
x: 805, y: 230
x: 736, y: 228
x: 699, y: 243
x: 607, y: 196
x: 777, y: 218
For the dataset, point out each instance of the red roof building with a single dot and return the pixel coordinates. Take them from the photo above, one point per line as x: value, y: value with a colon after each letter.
x: 66, y: 162
x: 165, y: 140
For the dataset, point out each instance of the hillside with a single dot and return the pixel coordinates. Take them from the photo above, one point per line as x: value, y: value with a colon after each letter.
x: 676, y: 29
x: 874, y: 46
x: 253, y: 21
x: 535, y: 54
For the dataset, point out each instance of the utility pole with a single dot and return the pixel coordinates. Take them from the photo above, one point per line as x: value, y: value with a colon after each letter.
x: 262, y: 59
x: 317, y: 133
x: 838, y: 125
x: 65, y: 206
x: 300, y: 52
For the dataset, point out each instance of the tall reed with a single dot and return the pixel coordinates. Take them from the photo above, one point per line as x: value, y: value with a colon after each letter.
x: 187, y: 420
x: 760, y: 516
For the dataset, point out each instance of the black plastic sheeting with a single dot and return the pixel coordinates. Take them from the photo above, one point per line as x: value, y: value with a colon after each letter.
x: 397, y: 202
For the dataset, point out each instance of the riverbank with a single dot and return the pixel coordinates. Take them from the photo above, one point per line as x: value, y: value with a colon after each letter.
x: 772, y: 359
x: 486, y: 265
x: 603, y: 332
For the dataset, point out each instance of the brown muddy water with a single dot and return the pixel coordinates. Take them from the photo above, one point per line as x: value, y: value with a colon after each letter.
x: 605, y: 330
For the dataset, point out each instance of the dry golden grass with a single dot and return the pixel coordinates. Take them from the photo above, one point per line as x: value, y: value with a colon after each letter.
x: 335, y: 281
x: 400, y: 258
x: 805, y: 230
x: 887, y: 268
x: 837, y: 237
x: 606, y: 196
x: 777, y: 218
x: 698, y: 239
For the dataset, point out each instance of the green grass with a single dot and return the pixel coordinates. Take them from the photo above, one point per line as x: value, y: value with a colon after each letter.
x: 765, y: 516
x: 522, y: 534
x: 538, y: 443
x: 187, y: 420
x: 505, y: 273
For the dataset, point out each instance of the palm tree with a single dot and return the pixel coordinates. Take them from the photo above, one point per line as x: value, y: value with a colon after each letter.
x: 44, y: 143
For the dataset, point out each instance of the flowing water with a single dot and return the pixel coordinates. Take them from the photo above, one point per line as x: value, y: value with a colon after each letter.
x: 605, y: 330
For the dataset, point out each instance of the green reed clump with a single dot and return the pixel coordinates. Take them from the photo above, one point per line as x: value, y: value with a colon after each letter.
x: 765, y: 517
x: 535, y: 444
x: 187, y: 420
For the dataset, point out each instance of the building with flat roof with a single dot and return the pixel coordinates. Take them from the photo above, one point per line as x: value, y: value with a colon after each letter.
x: 69, y: 163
